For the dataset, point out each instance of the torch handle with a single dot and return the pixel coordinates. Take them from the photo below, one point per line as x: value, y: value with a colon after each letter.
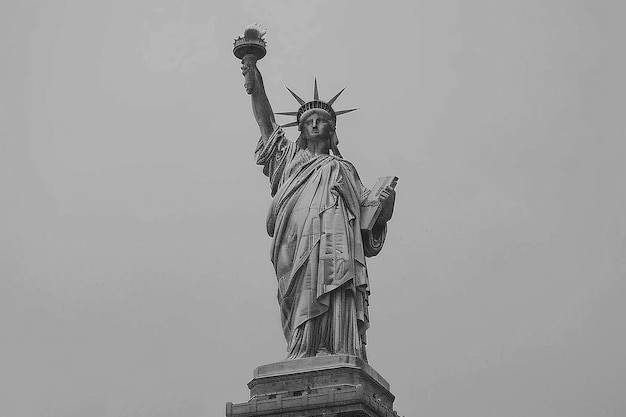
x: 249, y: 60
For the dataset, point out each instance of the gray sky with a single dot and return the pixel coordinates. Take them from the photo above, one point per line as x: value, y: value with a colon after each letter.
x: 134, y: 266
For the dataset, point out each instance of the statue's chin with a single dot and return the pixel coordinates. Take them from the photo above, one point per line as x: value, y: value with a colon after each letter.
x: 316, y: 137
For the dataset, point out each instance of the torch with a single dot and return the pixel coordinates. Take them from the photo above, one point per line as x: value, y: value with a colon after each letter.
x: 250, y: 48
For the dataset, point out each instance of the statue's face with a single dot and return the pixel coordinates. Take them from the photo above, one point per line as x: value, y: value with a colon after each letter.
x: 317, y: 127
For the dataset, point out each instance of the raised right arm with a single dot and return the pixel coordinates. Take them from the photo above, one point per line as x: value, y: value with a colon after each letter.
x: 261, y: 108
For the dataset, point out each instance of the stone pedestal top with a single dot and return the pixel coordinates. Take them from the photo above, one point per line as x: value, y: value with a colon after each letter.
x: 316, y: 364
x: 331, y: 385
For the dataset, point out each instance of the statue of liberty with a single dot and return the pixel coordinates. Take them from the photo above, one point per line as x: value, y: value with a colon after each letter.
x: 319, y: 241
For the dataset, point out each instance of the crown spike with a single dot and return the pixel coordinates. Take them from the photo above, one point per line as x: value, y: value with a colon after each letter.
x: 338, y: 112
x: 332, y: 100
x: 316, y: 95
x: 315, y: 104
x: 298, y: 99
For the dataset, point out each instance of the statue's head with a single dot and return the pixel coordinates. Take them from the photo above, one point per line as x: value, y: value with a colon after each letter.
x: 320, y: 115
x: 317, y: 124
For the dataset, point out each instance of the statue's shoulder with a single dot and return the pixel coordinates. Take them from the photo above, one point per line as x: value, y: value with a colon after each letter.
x: 345, y: 162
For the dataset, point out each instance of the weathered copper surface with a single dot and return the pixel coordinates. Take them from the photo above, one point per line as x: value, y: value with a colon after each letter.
x: 323, y: 223
x: 319, y: 245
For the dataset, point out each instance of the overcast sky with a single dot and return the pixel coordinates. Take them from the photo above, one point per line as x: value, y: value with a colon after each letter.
x: 135, y: 277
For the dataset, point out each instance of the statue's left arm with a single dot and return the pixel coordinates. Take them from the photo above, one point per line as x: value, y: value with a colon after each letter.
x: 388, y: 201
x: 373, y: 240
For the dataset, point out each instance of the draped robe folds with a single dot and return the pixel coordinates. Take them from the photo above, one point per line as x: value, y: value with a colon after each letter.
x: 318, y: 248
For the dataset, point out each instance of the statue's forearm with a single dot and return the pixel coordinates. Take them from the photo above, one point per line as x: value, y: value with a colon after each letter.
x: 262, y: 111
x: 261, y: 107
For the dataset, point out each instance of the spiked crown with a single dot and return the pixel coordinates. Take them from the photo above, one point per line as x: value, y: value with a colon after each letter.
x: 316, y: 103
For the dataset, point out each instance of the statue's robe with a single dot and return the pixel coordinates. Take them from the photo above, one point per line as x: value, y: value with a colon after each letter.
x: 318, y: 248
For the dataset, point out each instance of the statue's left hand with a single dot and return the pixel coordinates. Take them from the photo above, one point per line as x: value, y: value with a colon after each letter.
x: 387, y: 199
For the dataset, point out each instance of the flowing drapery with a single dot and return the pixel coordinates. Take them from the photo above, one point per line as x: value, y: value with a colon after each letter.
x: 318, y: 249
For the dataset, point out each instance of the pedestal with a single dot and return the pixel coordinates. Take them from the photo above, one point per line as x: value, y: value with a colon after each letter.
x: 333, y: 385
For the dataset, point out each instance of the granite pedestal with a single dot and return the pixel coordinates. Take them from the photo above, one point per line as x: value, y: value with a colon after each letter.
x: 333, y: 385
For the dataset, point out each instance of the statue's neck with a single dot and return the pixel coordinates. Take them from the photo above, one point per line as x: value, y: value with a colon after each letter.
x: 318, y: 147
